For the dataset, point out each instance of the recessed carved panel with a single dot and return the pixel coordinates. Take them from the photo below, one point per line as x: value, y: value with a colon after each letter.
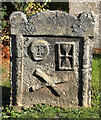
x: 65, y: 56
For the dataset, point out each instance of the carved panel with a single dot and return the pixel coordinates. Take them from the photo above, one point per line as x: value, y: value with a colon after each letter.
x: 65, y: 55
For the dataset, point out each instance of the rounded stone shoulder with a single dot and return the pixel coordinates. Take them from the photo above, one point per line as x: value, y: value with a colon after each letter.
x: 17, y: 16
x: 86, y: 15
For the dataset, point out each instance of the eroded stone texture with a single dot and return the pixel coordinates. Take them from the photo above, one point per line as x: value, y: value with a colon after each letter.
x: 51, y: 54
x: 76, y: 7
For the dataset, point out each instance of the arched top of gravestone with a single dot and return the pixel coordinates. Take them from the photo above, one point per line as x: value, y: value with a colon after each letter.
x: 52, y: 23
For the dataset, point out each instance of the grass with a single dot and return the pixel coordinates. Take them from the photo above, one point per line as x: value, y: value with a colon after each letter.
x: 48, y: 111
x: 95, y: 81
x: 5, y: 73
x: 96, y: 71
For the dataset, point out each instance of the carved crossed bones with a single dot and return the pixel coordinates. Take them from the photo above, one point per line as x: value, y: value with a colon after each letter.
x: 49, y: 81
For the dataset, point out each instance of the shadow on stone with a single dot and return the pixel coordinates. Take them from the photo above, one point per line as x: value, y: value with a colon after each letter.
x: 80, y: 92
x: 53, y: 91
x: 30, y: 53
x: 5, y: 95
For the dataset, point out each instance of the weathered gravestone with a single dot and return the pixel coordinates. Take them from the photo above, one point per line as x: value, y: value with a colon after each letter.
x: 51, y: 56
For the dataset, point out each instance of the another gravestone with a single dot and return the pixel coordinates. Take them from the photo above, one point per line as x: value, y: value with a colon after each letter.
x: 51, y: 57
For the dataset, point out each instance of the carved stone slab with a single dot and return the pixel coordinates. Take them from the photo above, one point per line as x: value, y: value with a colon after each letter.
x: 51, y: 57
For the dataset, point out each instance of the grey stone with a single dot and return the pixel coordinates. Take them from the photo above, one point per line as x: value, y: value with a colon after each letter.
x: 51, y: 57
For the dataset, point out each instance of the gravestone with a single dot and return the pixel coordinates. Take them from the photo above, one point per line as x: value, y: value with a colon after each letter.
x: 51, y: 58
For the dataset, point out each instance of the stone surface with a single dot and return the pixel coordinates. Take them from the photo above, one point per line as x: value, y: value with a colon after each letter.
x: 51, y: 56
x: 78, y: 7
